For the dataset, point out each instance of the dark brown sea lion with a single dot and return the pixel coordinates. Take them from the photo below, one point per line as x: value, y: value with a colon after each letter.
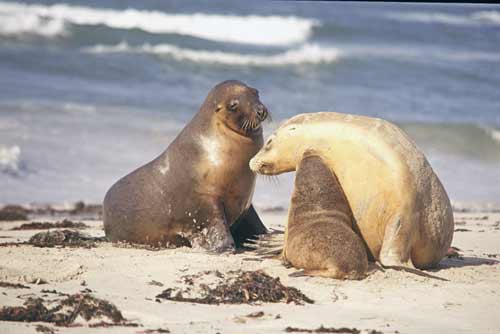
x: 319, y: 236
x: 198, y: 191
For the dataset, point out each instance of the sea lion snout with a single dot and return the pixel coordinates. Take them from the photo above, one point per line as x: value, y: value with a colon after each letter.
x: 261, y: 111
x: 261, y: 167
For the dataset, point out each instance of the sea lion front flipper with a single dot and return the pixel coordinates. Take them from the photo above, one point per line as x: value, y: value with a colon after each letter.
x: 247, y: 226
x: 217, y: 236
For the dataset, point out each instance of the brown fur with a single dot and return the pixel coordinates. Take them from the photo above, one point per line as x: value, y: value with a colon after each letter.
x: 319, y: 237
x: 198, y: 191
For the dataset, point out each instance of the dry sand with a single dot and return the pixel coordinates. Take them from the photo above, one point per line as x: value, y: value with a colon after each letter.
x: 390, y: 301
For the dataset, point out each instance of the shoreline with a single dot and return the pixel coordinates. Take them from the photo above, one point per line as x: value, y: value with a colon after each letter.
x: 92, y: 210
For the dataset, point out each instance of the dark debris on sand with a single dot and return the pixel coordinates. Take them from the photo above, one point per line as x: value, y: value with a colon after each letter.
x: 258, y: 314
x: 65, y: 312
x: 13, y: 213
x: 80, y: 208
x: 54, y: 291
x: 65, y: 238
x: 46, y: 225
x: 13, y: 285
x: 45, y: 329
x: 91, y: 209
x: 151, y: 331
x: 341, y: 330
x: 242, y: 287
x: 154, y: 248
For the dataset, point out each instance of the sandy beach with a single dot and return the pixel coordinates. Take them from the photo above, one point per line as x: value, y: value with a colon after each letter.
x: 130, y: 278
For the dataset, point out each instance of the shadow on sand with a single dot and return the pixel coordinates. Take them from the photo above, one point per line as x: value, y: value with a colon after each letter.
x: 464, y: 261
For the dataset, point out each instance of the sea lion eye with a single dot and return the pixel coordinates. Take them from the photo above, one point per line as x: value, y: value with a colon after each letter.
x: 268, y: 144
x: 233, y: 105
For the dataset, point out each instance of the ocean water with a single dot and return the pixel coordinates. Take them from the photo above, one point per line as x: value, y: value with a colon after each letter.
x: 90, y: 90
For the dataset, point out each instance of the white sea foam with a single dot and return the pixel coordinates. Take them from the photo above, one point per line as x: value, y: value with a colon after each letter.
x: 19, y: 23
x: 259, y: 30
x: 9, y: 159
x: 489, y: 16
x: 495, y: 134
x: 306, y: 54
x: 79, y: 108
x: 476, y: 18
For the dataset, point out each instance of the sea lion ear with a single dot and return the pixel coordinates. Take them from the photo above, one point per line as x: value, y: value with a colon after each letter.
x: 218, y: 107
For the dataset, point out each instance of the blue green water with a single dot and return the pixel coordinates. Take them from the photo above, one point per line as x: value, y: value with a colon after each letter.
x: 90, y: 90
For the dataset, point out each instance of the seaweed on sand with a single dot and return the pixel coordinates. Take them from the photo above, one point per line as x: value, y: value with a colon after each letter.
x: 46, y: 225
x: 13, y: 213
x: 13, y: 285
x: 321, y: 329
x: 65, y: 312
x: 66, y: 238
x: 242, y: 287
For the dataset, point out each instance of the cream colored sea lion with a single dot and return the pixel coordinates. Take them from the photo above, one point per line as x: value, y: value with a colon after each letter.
x: 198, y: 191
x: 401, y: 209
x: 319, y: 236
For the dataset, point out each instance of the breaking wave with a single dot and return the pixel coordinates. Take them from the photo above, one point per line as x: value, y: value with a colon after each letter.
x: 18, y: 18
x: 306, y: 54
x: 481, y: 17
x: 494, y: 133
x: 10, y: 159
x: 475, y: 142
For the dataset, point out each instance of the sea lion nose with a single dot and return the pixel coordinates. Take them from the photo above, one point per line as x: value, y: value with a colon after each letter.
x: 261, y: 111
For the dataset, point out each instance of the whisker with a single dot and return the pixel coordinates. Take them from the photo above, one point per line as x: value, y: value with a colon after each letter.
x: 271, y: 179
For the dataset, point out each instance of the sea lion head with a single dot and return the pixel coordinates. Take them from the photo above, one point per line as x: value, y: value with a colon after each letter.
x: 238, y: 107
x: 281, y: 152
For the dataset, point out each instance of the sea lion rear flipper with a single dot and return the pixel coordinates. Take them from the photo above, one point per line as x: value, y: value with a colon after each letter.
x: 247, y: 226
x: 416, y: 272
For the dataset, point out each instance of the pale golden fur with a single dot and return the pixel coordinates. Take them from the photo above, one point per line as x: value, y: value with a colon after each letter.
x: 399, y: 204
